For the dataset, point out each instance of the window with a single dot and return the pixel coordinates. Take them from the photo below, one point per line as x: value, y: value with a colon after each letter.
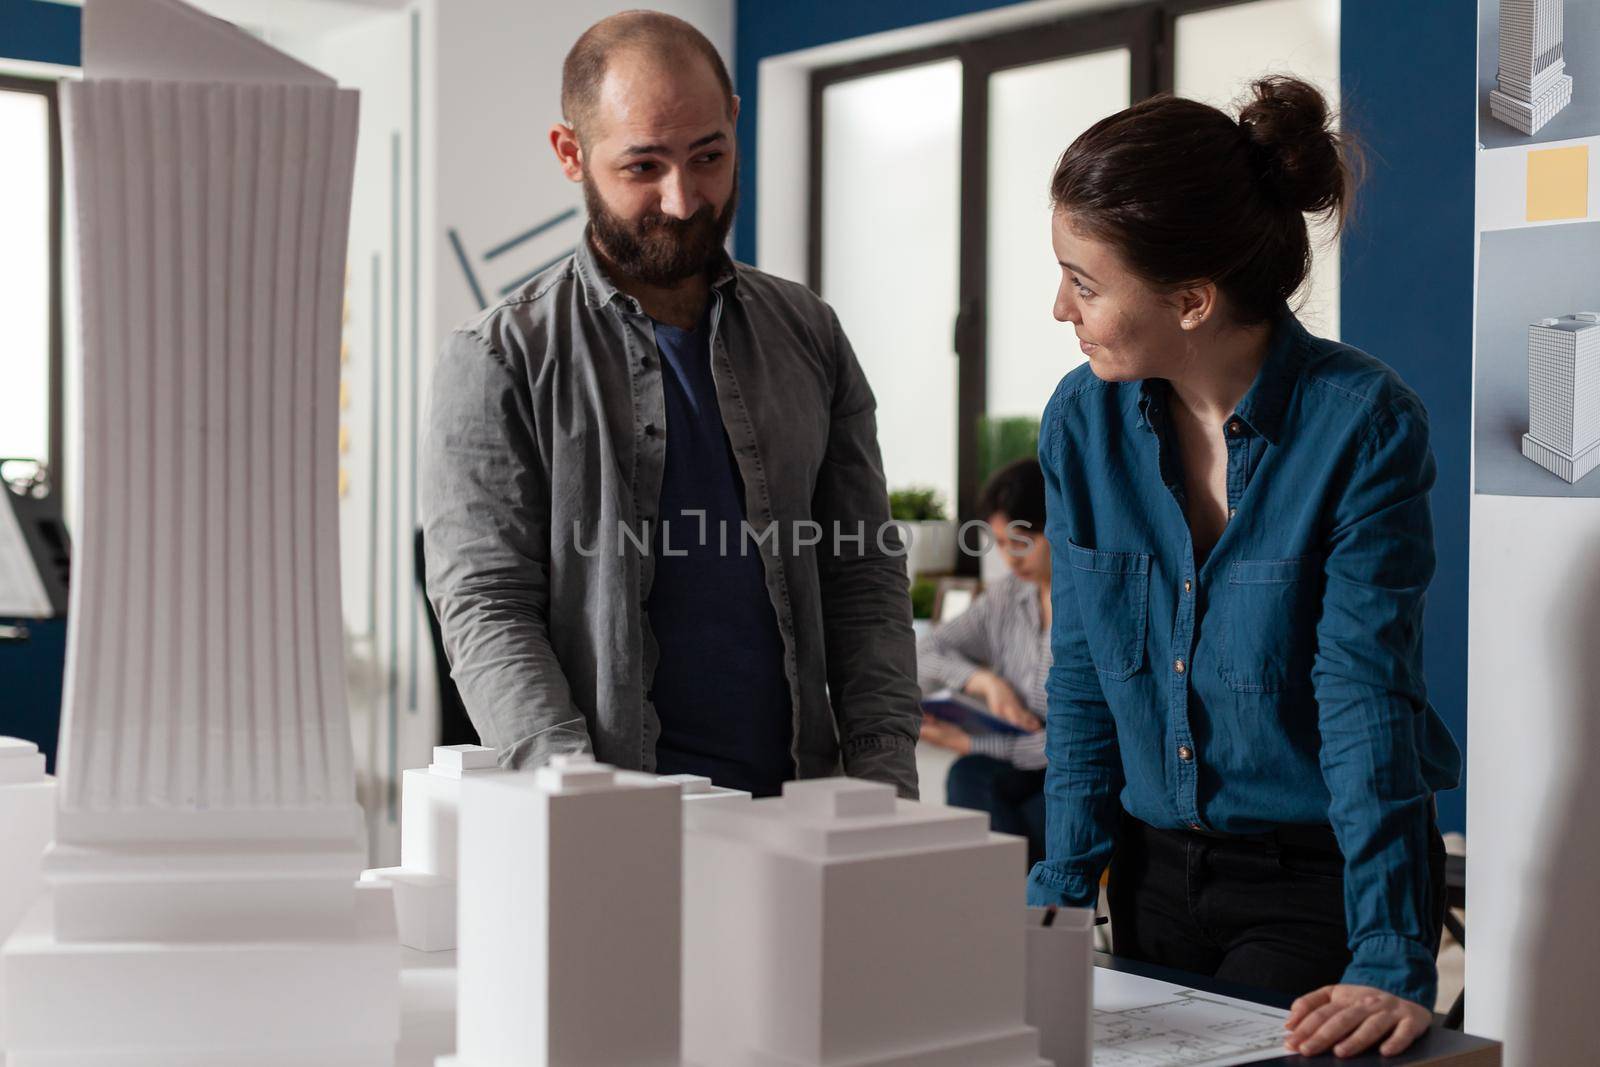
x: 30, y: 284
x: 929, y: 206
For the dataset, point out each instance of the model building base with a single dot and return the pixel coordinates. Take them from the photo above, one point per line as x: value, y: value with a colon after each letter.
x: 1565, y: 466
x: 316, y: 1001
x: 815, y: 939
x: 1530, y: 117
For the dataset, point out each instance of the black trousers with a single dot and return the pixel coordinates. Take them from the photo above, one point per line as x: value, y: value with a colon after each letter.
x: 1265, y: 910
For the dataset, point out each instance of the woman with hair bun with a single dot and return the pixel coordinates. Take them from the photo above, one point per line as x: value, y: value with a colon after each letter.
x: 1238, y: 513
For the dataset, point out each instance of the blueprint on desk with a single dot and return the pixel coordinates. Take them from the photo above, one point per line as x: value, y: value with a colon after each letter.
x: 1142, y: 1022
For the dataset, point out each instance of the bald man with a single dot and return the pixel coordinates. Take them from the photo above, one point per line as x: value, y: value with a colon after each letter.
x: 655, y: 515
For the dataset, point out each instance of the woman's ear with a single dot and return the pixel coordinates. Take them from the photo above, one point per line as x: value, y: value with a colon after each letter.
x: 1196, y: 305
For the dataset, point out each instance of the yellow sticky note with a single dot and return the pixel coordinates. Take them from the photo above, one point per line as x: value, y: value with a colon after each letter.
x: 344, y: 483
x: 344, y: 438
x: 1558, y: 183
x: 344, y: 394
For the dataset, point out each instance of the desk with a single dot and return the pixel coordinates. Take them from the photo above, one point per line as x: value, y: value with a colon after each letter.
x: 1443, y: 1048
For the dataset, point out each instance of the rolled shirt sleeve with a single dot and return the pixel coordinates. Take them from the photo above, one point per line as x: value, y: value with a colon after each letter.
x: 1371, y: 703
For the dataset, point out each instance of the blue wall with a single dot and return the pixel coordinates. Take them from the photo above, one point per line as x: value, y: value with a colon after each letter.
x: 40, y: 32
x: 1406, y: 280
x: 1407, y: 261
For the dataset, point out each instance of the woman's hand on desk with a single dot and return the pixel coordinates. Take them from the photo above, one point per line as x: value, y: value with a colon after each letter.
x: 946, y: 735
x: 1002, y: 700
x: 1350, y: 1019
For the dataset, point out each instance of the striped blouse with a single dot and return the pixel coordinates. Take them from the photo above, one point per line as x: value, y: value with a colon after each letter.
x: 1002, y: 631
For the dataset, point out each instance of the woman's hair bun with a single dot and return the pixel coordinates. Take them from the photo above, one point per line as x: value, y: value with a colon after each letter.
x: 1288, y: 124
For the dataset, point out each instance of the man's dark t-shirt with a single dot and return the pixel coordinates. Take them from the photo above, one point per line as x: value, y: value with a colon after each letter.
x: 720, y: 688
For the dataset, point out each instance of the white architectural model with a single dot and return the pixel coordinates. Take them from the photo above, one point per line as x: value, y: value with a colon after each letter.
x: 570, y: 922
x: 202, y: 906
x: 1532, y: 79
x: 1061, y: 983
x: 424, y: 884
x: 838, y: 925
x: 1564, y: 395
x: 27, y: 825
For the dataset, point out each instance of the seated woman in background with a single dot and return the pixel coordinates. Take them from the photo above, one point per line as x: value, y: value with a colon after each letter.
x: 998, y: 650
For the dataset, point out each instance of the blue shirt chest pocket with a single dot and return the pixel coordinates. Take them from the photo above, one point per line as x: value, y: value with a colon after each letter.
x: 1269, y: 625
x: 1113, y: 594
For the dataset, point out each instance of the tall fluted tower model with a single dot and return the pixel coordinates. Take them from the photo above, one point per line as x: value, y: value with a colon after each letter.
x: 201, y: 904
x: 1532, y: 79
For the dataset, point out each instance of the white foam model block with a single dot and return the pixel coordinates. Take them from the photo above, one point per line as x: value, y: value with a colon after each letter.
x: 453, y: 760
x: 27, y: 826
x: 427, y: 1007
x: 697, y: 789
x: 202, y: 905
x: 837, y: 925
x: 425, y: 882
x: 1061, y: 984
x: 424, y: 907
x: 331, y: 1003
x: 570, y: 905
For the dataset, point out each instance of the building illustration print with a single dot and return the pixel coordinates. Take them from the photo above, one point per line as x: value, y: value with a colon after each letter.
x: 1564, y: 395
x: 1533, y: 85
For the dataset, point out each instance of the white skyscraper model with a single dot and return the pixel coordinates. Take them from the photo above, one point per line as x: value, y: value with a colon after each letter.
x: 425, y: 882
x: 1564, y: 394
x: 838, y: 925
x: 570, y: 924
x: 201, y: 905
x: 1532, y: 79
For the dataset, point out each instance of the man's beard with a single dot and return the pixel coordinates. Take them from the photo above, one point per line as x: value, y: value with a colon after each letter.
x: 657, y: 250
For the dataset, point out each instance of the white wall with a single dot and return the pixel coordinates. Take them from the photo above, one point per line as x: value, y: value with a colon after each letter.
x: 1533, y: 864
x: 498, y: 81
x: 1533, y: 813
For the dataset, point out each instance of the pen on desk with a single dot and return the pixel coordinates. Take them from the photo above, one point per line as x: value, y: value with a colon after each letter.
x: 1049, y: 916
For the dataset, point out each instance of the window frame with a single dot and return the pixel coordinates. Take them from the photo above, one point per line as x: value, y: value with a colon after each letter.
x: 55, y: 434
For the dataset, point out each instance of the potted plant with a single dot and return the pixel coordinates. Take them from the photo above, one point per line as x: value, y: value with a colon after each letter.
x: 927, y: 530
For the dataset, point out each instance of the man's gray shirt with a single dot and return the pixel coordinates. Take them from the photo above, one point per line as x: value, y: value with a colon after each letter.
x: 541, y: 474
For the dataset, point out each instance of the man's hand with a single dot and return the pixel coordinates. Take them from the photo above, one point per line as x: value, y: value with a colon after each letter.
x: 946, y: 735
x: 1350, y: 1019
x: 1002, y: 700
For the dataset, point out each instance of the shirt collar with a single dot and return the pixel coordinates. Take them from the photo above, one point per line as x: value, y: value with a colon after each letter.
x: 1267, y: 400
x: 599, y: 290
x: 1264, y: 406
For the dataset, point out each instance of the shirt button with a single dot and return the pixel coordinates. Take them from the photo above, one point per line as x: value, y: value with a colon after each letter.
x: 1177, y: 665
x: 1188, y: 586
x: 644, y: 361
x: 1233, y: 427
x: 1232, y: 512
x: 650, y: 429
x: 1185, y: 753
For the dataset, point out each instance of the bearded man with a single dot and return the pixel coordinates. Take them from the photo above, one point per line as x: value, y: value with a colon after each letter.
x: 655, y: 517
